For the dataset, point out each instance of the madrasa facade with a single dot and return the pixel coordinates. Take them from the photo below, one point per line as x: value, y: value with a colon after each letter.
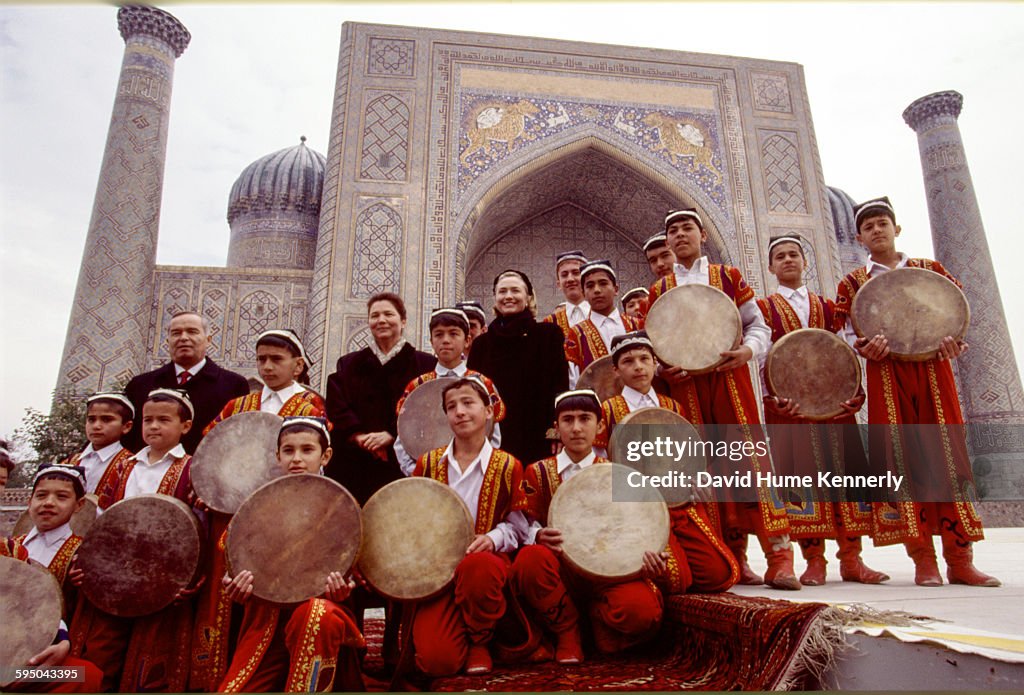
x: 455, y: 155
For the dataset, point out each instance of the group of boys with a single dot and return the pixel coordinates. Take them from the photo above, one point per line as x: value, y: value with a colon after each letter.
x: 512, y: 570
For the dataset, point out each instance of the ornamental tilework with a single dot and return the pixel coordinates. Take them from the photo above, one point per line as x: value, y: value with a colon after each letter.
x: 376, y: 257
x: 493, y: 126
x: 784, y: 181
x: 391, y: 57
x: 385, y: 149
x: 257, y: 312
x: 771, y: 92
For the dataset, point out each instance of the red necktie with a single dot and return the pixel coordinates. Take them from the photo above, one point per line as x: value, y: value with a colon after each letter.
x: 183, y: 377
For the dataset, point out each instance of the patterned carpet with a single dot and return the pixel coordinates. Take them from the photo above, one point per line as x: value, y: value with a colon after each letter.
x: 713, y: 642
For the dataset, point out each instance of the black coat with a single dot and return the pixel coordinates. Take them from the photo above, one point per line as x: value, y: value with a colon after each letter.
x: 209, y: 390
x: 361, y: 397
x: 526, y: 361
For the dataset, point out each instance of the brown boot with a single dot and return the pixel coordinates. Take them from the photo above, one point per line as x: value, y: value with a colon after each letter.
x: 926, y: 566
x: 813, y: 550
x: 852, y: 567
x: 960, y: 567
x: 738, y: 545
x: 779, y: 552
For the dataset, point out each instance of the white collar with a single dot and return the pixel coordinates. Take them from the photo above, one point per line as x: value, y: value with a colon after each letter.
x: 598, y: 319
x: 788, y: 292
x: 193, y: 370
x: 584, y: 305
x: 633, y: 396
x: 53, y: 536
x: 105, y: 454
x: 284, y: 394
x: 385, y: 358
x: 698, y: 266
x: 459, y: 369
x: 564, y: 461
x: 871, y: 266
x: 484, y: 458
x: 143, y: 456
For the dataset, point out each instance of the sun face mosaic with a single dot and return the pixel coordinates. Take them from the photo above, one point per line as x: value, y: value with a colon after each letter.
x: 494, y: 127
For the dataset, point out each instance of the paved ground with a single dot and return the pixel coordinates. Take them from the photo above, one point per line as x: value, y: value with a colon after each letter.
x: 995, y: 610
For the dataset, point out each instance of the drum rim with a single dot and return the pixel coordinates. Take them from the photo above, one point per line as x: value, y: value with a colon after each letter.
x: 836, y: 340
x: 625, y: 421
x: 199, y: 468
x: 232, y: 524
x: 470, y: 524
x: 655, y: 338
x: 919, y: 356
x: 589, y: 368
x: 666, y: 525
x: 199, y: 544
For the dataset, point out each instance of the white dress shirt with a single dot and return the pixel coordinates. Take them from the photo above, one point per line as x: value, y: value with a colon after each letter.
x: 145, y: 476
x: 467, y: 480
x: 608, y: 327
x: 874, y: 270
x: 42, y: 546
x: 636, y: 400
x: 193, y: 370
x: 567, y: 468
x: 756, y: 334
x: 95, y: 463
x: 273, y: 401
x: 577, y: 313
x: 406, y: 462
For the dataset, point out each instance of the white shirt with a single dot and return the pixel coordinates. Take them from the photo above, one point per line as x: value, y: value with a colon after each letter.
x: 800, y: 301
x: 636, y: 400
x: 145, y: 476
x: 467, y: 480
x: 577, y: 313
x: 42, y: 546
x: 567, y: 468
x: 874, y: 270
x: 273, y: 401
x: 95, y: 463
x: 458, y: 370
x: 193, y: 370
x: 756, y: 334
x: 608, y: 327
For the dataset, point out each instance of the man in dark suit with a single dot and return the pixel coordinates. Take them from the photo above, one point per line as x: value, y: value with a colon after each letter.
x: 208, y: 385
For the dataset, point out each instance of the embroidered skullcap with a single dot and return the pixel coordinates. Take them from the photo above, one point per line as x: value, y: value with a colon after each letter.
x: 472, y: 307
x: 317, y: 423
x: 76, y: 474
x: 634, y: 293
x: 630, y: 340
x: 782, y: 239
x: 112, y: 396
x: 593, y: 266
x: 178, y: 395
x: 288, y: 335
x: 656, y: 241
x: 472, y: 380
x: 578, y: 393
x: 878, y: 205
x: 574, y: 255
x: 676, y: 215
x: 457, y: 314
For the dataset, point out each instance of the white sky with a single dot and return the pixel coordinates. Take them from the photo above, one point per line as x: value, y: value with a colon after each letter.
x: 257, y: 76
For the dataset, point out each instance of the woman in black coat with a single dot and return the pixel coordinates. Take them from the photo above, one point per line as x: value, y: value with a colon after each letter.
x: 361, y: 399
x: 526, y: 361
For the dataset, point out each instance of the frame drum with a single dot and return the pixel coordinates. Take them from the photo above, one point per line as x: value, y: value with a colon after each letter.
x: 914, y: 309
x: 139, y: 553
x: 235, y: 458
x: 691, y: 325
x: 600, y: 376
x: 664, y: 423
x: 815, y: 368
x: 291, y: 533
x: 606, y: 538
x: 29, y: 612
x: 417, y: 532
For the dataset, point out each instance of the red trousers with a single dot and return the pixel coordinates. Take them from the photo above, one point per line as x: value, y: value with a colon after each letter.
x: 704, y: 562
x: 622, y: 614
x: 444, y: 627
x: 307, y: 649
x: 93, y: 680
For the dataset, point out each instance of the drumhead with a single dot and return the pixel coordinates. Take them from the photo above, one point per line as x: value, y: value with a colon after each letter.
x: 291, y: 533
x: 815, y: 368
x: 416, y: 533
x: 606, y: 537
x: 30, y: 613
x: 601, y: 377
x: 647, y: 425
x: 914, y: 309
x: 81, y: 521
x: 691, y: 325
x: 139, y: 553
x: 235, y: 458
x: 423, y: 424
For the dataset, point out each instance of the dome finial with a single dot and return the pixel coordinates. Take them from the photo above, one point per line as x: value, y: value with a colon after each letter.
x: 302, y: 139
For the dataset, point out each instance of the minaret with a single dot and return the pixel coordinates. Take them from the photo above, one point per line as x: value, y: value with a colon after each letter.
x: 990, y: 383
x: 106, y: 339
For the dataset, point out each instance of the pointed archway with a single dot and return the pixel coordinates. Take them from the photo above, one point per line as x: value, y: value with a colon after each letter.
x: 587, y: 194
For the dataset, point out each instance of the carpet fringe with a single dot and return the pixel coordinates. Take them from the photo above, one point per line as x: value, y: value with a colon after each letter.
x: 826, y: 639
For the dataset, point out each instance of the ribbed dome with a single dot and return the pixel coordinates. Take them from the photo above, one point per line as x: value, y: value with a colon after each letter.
x: 289, y: 179
x: 851, y: 253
